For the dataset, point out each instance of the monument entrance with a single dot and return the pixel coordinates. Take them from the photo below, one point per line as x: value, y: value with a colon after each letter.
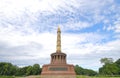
x: 58, y: 65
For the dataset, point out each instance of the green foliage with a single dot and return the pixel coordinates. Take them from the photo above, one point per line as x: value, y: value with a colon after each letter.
x: 106, y: 60
x: 36, y: 69
x: 81, y: 71
x: 118, y: 62
x: 118, y: 65
x: 29, y: 71
x: 21, y: 71
x: 89, y: 72
x: 78, y: 70
x: 9, y: 70
x: 110, y: 68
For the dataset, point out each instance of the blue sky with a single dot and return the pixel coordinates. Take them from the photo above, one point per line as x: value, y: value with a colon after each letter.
x: 90, y: 31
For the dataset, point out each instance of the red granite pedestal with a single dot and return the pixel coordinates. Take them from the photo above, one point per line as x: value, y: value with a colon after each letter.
x: 58, y: 70
x: 58, y: 67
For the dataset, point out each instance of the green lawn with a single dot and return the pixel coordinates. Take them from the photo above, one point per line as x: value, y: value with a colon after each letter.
x: 95, y: 77
x: 40, y: 77
x: 7, y: 77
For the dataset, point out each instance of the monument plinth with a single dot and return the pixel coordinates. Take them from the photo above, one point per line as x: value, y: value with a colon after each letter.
x: 58, y: 65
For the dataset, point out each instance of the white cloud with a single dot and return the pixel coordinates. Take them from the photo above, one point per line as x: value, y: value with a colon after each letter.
x: 28, y: 12
x: 13, y: 7
x: 117, y: 26
x: 90, y: 55
x: 75, y: 25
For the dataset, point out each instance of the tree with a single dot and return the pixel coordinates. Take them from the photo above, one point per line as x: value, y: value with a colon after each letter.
x: 13, y: 69
x: 36, y: 69
x: 21, y: 71
x: 78, y: 70
x: 7, y: 69
x: 29, y: 70
x: 118, y: 62
x: 106, y: 60
x: 89, y: 72
x: 109, y: 67
x: 118, y: 65
x: 81, y: 71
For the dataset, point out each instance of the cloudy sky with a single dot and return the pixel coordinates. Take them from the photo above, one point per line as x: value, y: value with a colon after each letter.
x: 90, y: 31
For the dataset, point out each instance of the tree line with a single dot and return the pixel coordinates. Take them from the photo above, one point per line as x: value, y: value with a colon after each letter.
x: 13, y: 70
x: 81, y: 71
x: 109, y: 68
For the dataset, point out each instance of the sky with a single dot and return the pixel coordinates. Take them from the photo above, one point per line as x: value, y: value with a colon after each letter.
x: 90, y: 30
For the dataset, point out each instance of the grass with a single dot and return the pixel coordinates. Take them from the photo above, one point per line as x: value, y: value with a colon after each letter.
x: 38, y: 76
x: 81, y: 76
x: 7, y: 77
